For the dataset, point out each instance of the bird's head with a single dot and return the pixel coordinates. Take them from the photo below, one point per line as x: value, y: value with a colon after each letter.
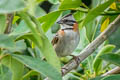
x: 67, y: 21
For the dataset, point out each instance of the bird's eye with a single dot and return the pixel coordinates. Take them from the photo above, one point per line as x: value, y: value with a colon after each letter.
x: 65, y: 20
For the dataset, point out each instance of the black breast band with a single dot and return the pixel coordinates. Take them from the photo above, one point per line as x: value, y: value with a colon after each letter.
x: 67, y: 29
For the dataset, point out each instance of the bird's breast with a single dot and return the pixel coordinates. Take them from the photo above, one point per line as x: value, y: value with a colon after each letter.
x: 69, y: 42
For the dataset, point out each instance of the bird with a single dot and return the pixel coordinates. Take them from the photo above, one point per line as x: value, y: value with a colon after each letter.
x: 67, y: 38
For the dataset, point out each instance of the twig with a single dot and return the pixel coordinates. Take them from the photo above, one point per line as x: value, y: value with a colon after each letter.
x: 9, y: 23
x: 92, y: 46
x: 84, y: 10
x: 116, y: 70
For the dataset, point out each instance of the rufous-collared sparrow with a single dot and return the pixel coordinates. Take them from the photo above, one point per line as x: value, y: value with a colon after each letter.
x: 67, y: 38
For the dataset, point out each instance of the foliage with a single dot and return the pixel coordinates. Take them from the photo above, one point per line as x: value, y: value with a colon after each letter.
x: 22, y: 51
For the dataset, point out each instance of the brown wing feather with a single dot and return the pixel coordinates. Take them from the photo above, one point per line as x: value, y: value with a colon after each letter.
x: 55, y: 40
x: 57, y: 37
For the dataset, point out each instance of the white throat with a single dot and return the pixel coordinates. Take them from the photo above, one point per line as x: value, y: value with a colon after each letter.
x: 64, y: 26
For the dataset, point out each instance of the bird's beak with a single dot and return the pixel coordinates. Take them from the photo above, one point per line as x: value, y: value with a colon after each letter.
x: 60, y: 22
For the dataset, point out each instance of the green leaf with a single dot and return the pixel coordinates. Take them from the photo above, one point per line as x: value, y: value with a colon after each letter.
x: 49, y: 19
x: 5, y: 73
x: 39, y: 66
x: 68, y: 4
x: 97, y: 78
x: 42, y: 41
x: 6, y: 41
x: 49, y: 33
x: 46, y: 50
x: 96, y: 2
x: 91, y: 29
x: 39, y: 1
x: 39, y: 11
x: 79, y: 16
x: 31, y: 5
x: 112, y: 77
x: 112, y: 58
x: 20, y: 46
x: 97, y: 63
x: 49, y: 53
x: 115, y: 39
x: 2, y: 23
x: 54, y: 7
x: 83, y: 40
x: 15, y: 66
x: 32, y: 27
x: 54, y: 1
x: 8, y: 6
x: 34, y: 8
x: 30, y: 73
x: 92, y: 14
x: 21, y: 29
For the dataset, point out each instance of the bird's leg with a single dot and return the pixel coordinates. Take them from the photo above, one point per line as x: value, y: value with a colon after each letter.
x: 76, y: 58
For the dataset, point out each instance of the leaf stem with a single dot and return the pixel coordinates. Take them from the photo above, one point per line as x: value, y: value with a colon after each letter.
x: 32, y: 26
x: 87, y: 10
x: 38, y: 26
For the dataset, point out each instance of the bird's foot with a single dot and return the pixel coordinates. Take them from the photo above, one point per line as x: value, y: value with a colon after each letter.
x: 77, y: 59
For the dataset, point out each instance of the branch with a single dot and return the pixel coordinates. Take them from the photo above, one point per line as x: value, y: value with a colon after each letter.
x: 9, y: 23
x: 87, y: 10
x: 92, y: 46
x: 116, y: 70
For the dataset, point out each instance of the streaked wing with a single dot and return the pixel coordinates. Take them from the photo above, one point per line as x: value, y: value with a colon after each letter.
x: 55, y: 39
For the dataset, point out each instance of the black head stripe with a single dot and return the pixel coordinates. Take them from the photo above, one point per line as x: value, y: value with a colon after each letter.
x: 67, y: 29
x: 72, y: 21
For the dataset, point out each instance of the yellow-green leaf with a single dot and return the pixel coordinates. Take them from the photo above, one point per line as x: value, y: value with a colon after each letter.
x: 113, y: 6
x: 15, y: 19
x: 105, y: 24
